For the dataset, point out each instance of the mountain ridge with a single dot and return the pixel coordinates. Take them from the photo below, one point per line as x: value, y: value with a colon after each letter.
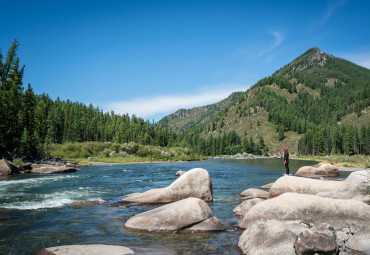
x: 315, y: 89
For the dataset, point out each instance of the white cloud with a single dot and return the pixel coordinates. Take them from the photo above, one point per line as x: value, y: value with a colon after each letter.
x: 332, y: 8
x: 164, y: 104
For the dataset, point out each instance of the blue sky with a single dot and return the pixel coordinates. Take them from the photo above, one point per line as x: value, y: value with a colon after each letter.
x: 151, y: 58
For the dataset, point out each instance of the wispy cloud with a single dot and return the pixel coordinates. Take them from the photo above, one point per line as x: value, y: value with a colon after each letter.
x: 362, y: 59
x: 258, y: 50
x: 331, y: 9
x: 164, y: 104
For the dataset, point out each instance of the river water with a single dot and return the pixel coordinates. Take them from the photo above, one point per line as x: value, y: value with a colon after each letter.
x: 36, y: 210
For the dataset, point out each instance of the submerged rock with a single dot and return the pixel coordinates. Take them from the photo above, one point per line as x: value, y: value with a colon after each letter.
x: 171, y: 217
x: 7, y: 168
x: 301, y: 185
x: 86, y: 249
x: 194, y: 183
x: 52, y: 169
x: 254, y: 193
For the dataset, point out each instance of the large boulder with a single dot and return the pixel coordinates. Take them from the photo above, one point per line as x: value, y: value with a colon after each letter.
x: 310, y: 208
x: 325, y: 170
x: 86, y: 249
x: 171, y: 217
x: 52, y: 169
x: 244, y: 207
x: 254, y: 193
x: 7, y: 168
x: 270, y: 238
x: 301, y: 185
x: 311, y: 242
x: 351, y: 188
x: 194, y: 183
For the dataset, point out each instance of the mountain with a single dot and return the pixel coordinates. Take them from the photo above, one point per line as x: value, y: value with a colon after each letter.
x: 315, y: 95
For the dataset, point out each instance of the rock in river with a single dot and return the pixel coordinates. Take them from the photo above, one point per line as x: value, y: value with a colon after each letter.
x: 52, y: 169
x: 325, y: 170
x: 179, y: 173
x: 339, y: 213
x: 302, y: 185
x: 7, y: 168
x: 311, y: 242
x: 194, y: 183
x: 86, y: 249
x: 254, y: 193
x: 171, y: 217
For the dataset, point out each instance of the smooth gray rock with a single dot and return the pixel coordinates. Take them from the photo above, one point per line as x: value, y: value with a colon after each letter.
x: 311, y: 242
x: 194, y: 183
x: 171, y: 217
x: 301, y: 185
x: 270, y: 238
x: 254, y: 193
x: 325, y: 170
x: 310, y: 208
x: 244, y: 207
x: 351, y: 188
x: 52, y: 169
x: 86, y: 249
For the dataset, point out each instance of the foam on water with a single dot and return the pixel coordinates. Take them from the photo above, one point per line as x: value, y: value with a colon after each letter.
x: 36, y: 180
x: 127, y: 171
x: 56, y: 199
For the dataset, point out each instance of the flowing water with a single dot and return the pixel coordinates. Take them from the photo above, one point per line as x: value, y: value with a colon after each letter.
x: 36, y: 210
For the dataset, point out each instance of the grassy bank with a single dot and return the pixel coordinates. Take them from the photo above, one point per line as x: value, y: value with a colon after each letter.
x: 87, y: 152
x: 361, y: 161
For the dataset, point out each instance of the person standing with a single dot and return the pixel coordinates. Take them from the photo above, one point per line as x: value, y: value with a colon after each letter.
x: 286, y: 160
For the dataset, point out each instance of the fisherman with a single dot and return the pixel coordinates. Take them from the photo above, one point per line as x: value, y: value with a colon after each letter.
x: 286, y: 160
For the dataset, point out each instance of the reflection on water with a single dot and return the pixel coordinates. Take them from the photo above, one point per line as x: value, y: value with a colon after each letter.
x: 36, y: 211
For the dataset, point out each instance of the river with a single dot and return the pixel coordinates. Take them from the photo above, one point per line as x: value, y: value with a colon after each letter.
x: 36, y: 210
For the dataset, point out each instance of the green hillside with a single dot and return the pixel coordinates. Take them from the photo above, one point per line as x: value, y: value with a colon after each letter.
x: 317, y: 104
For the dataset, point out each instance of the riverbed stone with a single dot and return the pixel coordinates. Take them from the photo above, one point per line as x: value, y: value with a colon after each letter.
x: 351, y: 188
x: 311, y: 242
x: 301, y: 185
x: 53, y: 169
x: 7, y: 168
x: 244, y: 207
x: 310, y: 208
x: 86, y: 249
x: 254, y: 193
x: 194, y: 183
x: 171, y: 217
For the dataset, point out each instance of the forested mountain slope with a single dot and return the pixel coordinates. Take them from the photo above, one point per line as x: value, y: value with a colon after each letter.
x: 317, y: 97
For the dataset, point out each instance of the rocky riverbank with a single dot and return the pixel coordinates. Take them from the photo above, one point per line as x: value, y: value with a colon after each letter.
x: 38, y: 166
